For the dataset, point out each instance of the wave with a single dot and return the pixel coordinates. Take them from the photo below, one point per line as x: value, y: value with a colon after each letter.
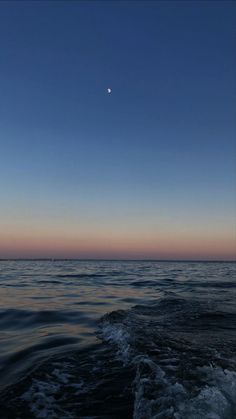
x: 182, y: 370
x: 82, y: 275
x: 18, y: 319
x: 173, y: 358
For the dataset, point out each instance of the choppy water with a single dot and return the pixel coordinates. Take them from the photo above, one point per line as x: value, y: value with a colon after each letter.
x: 108, y: 339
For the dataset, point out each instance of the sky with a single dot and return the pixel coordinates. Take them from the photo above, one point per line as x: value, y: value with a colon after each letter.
x: 146, y: 172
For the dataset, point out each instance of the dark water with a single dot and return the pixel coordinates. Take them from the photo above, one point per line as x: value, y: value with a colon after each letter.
x: 108, y: 339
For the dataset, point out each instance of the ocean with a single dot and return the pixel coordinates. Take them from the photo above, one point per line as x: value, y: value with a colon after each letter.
x: 117, y: 339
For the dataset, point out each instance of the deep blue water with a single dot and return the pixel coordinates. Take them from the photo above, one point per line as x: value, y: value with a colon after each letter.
x: 117, y: 339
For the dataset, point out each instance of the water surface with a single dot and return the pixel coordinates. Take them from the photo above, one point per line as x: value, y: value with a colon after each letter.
x: 112, y: 339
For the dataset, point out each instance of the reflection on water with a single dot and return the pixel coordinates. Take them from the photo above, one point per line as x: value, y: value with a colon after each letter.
x: 54, y: 309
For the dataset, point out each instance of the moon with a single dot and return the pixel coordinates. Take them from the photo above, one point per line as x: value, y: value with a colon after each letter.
x: 109, y: 90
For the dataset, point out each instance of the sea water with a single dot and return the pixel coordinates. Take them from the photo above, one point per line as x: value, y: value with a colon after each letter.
x: 117, y: 339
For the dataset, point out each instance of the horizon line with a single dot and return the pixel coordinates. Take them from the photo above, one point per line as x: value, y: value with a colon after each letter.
x: 118, y: 259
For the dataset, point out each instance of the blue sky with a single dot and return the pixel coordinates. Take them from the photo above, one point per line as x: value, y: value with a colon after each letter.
x: 159, y: 150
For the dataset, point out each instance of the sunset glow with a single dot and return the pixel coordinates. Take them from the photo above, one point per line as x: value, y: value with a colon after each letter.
x: 148, y: 172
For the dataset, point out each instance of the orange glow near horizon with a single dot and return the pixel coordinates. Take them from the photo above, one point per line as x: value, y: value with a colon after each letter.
x: 118, y: 144
x: 118, y: 245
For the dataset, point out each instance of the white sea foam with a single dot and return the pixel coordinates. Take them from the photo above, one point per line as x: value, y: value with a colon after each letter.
x: 159, y: 396
x: 44, y: 395
x: 118, y: 335
x: 216, y: 400
x: 41, y: 399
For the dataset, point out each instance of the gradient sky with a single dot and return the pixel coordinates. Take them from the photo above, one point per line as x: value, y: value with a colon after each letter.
x: 146, y: 172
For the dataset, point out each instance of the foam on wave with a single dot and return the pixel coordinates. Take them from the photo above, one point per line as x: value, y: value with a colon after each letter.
x: 176, y: 377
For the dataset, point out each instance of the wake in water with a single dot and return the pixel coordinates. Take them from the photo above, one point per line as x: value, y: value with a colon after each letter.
x: 175, y: 358
x: 183, y: 368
